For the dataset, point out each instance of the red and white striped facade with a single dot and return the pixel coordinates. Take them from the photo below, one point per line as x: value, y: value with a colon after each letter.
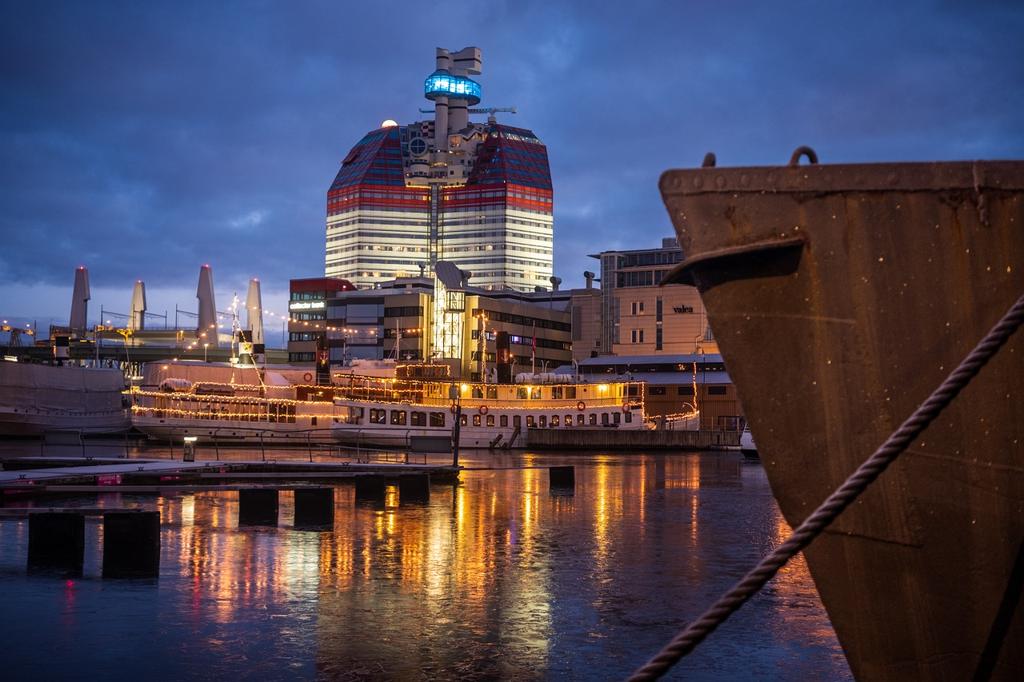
x: 480, y: 197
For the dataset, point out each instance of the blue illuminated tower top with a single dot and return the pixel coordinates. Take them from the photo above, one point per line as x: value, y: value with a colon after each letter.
x: 444, y: 84
x: 452, y: 91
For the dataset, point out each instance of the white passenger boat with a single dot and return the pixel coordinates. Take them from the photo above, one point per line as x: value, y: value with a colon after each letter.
x: 224, y: 402
x: 390, y: 412
x: 35, y: 399
x: 228, y: 403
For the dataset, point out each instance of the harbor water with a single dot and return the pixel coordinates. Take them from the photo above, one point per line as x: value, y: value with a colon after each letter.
x: 498, y: 577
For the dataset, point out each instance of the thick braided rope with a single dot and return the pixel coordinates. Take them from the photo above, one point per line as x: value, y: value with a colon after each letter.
x: 694, y: 633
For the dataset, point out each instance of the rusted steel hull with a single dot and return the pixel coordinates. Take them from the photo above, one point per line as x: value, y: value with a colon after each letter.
x: 840, y: 297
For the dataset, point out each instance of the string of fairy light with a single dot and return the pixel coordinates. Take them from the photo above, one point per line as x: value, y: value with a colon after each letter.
x: 382, y: 392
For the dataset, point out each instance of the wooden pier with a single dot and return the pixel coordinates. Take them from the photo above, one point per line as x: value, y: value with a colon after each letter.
x: 156, y: 476
x: 630, y: 439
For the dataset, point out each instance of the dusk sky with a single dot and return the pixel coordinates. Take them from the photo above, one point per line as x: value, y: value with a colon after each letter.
x: 143, y: 139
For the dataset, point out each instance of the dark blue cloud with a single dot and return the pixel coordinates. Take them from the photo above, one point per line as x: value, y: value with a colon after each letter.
x: 144, y: 139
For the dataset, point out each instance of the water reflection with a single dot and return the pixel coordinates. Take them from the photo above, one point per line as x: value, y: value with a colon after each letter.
x: 496, y: 577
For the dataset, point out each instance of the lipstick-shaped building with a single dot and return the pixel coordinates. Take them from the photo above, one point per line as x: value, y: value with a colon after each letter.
x: 476, y: 194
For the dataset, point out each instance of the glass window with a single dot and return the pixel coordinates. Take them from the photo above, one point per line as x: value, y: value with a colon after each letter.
x: 570, y: 392
x: 437, y: 418
x: 716, y: 390
x: 535, y: 393
x: 355, y: 415
x: 418, y: 419
x: 476, y: 420
x: 517, y: 421
x: 568, y: 420
x: 503, y: 421
x: 604, y: 419
x: 478, y: 392
x: 378, y: 416
x: 492, y: 392
x: 530, y: 423
x: 464, y: 421
x: 556, y: 392
x: 616, y: 418
x: 629, y: 417
x: 490, y: 420
x: 521, y: 393
x: 543, y: 421
x: 555, y: 420
x: 398, y: 417
x: 579, y: 419
x: 593, y: 419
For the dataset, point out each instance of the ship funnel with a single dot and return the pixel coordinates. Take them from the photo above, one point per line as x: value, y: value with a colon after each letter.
x: 254, y: 312
x: 80, y: 301
x: 137, y: 319
x: 589, y: 276
x: 207, y: 306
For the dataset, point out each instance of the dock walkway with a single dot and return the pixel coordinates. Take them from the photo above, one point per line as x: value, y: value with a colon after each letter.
x: 135, y: 475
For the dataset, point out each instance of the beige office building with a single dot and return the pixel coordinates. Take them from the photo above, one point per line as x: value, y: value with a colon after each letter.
x: 641, y: 317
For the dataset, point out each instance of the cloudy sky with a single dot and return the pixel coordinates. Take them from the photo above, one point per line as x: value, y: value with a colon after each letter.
x: 143, y: 139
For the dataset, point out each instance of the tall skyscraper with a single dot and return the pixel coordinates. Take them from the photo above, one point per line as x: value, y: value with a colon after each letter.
x: 475, y: 194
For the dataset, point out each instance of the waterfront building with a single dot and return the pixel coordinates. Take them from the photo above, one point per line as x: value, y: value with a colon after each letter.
x: 397, y: 320
x: 307, y: 315
x: 673, y: 384
x: 639, y: 316
x: 477, y: 194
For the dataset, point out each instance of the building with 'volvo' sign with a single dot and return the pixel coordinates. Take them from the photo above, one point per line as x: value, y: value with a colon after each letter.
x: 476, y: 194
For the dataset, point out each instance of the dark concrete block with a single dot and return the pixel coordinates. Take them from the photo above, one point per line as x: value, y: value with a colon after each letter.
x: 414, y: 488
x: 314, y: 508
x: 257, y: 507
x: 56, y: 541
x: 562, y: 478
x: 131, y: 544
x: 370, y: 489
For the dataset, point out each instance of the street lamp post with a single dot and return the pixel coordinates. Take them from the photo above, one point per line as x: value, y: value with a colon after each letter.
x: 205, y: 346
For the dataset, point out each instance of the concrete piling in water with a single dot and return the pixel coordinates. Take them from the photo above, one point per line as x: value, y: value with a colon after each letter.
x: 131, y: 544
x: 314, y: 507
x: 257, y: 507
x: 56, y: 541
x: 370, y: 489
x: 562, y: 479
x: 414, y: 488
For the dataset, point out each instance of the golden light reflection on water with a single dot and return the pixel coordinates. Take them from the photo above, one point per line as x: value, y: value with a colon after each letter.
x: 491, y: 577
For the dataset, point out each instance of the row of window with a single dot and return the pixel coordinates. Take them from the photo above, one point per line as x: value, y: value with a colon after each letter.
x: 687, y: 390
x: 662, y: 257
x: 540, y: 323
x: 637, y: 336
x: 439, y: 419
